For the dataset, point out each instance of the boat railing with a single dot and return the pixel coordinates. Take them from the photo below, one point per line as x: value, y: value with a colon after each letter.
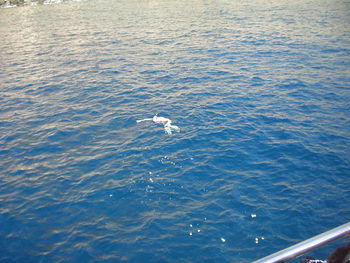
x: 307, y: 245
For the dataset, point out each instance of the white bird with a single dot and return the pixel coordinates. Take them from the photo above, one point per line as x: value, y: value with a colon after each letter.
x: 168, y: 128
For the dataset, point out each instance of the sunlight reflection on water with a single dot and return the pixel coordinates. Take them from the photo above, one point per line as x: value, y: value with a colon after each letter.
x: 260, y: 90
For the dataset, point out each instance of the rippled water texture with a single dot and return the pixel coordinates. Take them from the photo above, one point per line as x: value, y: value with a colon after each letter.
x: 260, y: 90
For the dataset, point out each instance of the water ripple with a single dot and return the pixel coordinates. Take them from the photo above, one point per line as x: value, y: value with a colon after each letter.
x: 260, y: 91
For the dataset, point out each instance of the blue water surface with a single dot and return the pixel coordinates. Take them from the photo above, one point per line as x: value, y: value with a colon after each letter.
x: 259, y: 88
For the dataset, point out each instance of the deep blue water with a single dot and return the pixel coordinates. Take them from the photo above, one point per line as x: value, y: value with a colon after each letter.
x: 260, y: 90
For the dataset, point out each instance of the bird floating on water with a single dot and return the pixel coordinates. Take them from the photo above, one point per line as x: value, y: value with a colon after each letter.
x: 168, y: 127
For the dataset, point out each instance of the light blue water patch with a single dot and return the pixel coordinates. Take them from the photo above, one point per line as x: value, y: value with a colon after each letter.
x: 260, y: 90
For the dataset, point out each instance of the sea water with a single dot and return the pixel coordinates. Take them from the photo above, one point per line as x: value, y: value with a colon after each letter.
x: 259, y: 89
